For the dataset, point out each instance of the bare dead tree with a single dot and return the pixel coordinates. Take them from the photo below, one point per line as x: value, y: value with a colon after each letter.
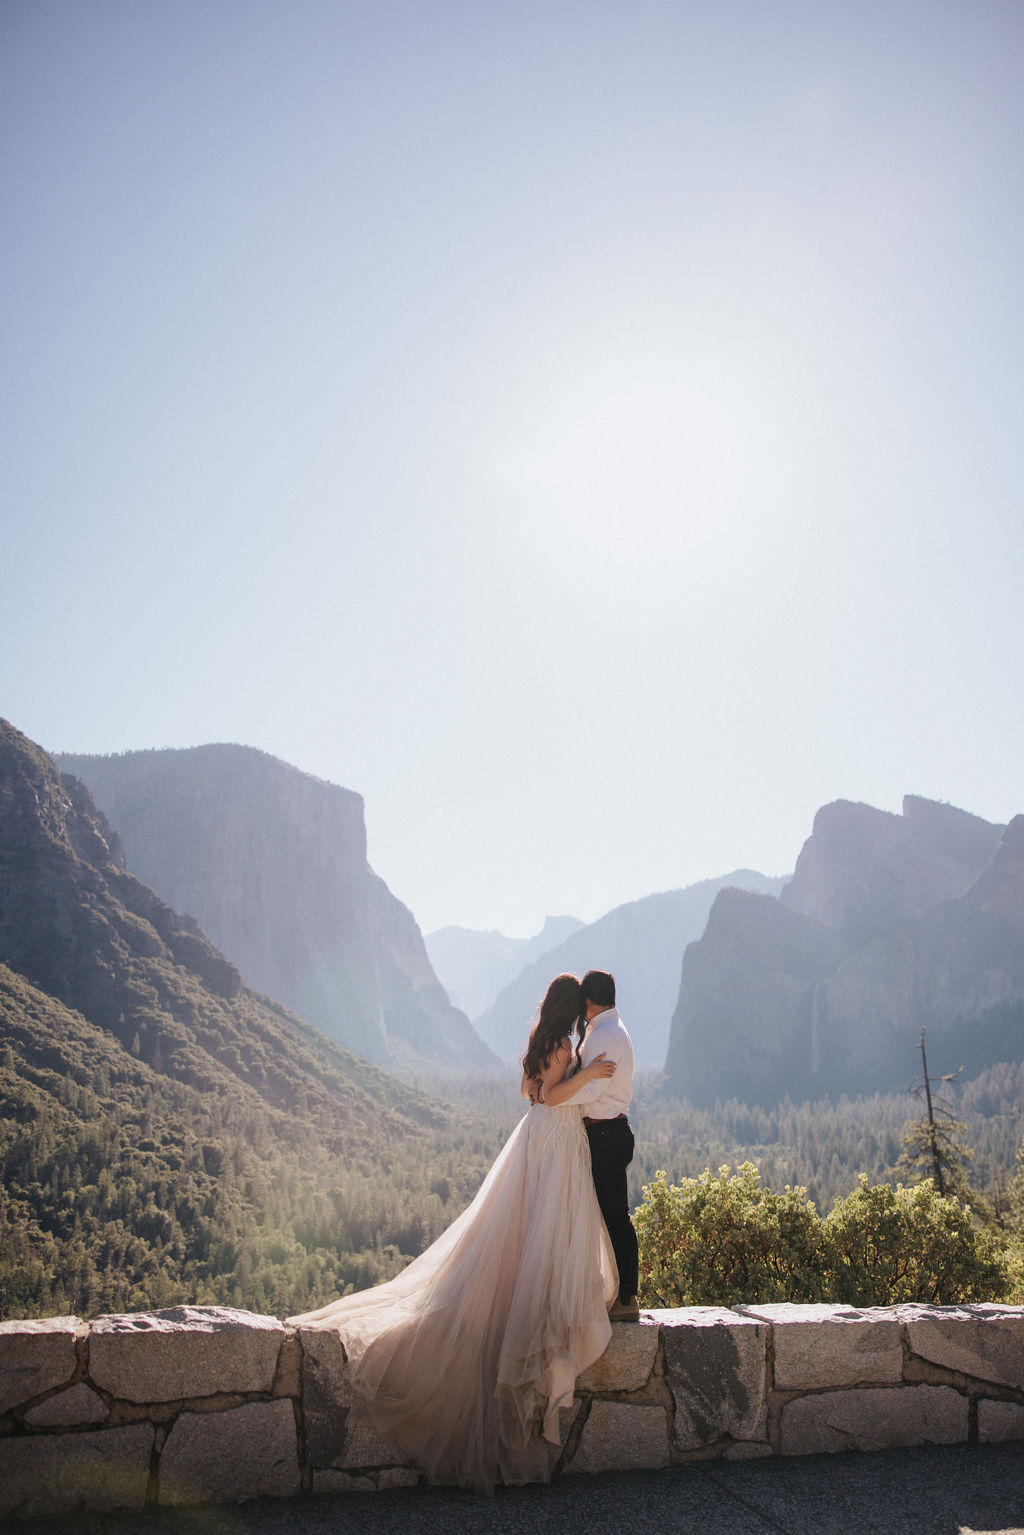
x: 935, y: 1140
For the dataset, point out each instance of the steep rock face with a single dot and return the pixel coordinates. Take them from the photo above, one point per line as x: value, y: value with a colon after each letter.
x: 91, y: 936
x: 865, y: 869
x: 642, y: 944
x: 906, y: 928
x: 751, y: 985
x: 474, y: 966
x: 272, y: 863
x: 958, y: 972
x: 69, y: 912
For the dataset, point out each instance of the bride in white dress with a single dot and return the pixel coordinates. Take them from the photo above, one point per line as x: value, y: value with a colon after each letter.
x: 466, y: 1357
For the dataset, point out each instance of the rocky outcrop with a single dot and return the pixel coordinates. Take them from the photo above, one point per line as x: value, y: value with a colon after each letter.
x: 256, y: 1409
x: 272, y: 864
x: 642, y: 944
x: 747, y: 1026
x: 70, y: 914
x: 957, y: 971
x: 885, y: 929
x: 865, y: 870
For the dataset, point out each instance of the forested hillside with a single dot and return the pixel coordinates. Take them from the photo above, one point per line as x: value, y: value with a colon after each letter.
x: 167, y: 1133
x: 124, y: 1188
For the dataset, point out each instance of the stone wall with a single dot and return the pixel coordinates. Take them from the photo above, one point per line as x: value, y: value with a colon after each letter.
x: 205, y: 1404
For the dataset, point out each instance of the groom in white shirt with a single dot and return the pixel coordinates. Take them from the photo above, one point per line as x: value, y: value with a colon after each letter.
x: 606, y: 1106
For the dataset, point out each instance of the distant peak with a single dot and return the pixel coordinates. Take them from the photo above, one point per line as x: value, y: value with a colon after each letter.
x: 562, y: 925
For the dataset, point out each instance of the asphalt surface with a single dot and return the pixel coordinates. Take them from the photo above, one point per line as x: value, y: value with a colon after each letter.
x: 936, y: 1490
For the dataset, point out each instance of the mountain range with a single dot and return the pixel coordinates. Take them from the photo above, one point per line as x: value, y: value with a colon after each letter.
x: 743, y: 986
x: 84, y: 931
x: 642, y: 944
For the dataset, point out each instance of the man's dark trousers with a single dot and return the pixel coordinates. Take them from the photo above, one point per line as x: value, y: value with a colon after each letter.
x: 611, y: 1151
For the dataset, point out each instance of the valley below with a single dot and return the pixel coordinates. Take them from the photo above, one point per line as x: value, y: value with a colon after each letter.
x: 230, y: 1072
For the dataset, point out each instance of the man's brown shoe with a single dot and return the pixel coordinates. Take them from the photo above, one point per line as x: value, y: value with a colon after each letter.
x: 624, y: 1310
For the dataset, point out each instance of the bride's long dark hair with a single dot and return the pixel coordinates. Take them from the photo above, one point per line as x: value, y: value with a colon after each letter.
x: 564, y: 1009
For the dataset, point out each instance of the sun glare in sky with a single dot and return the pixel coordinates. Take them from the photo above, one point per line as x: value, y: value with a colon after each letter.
x: 589, y: 431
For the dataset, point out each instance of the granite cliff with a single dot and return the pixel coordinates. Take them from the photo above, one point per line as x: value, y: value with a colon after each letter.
x: 890, y: 924
x: 272, y: 864
x: 865, y: 869
x: 84, y: 932
x: 642, y: 944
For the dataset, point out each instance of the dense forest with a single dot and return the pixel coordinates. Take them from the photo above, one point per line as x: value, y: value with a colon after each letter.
x: 125, y: 1188
x: 825, y: 1146
x: 822, y: 1146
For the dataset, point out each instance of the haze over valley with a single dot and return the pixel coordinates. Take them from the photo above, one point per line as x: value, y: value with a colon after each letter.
x: 170, y: 1132
x: 747, y: 986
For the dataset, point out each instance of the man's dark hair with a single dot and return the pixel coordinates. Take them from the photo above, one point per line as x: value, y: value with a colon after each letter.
x: 599, y: 986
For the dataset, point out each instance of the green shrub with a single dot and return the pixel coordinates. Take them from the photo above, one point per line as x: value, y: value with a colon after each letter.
x: 721, y: 1239
x: 888, y: 1245
x: 1013, y: 1264
x: 724, y: 1239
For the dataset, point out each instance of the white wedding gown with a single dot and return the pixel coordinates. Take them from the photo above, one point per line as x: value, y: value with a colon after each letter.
x: 466, y: 1357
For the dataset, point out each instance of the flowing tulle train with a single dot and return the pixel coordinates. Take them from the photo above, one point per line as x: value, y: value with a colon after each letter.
x: 466, y: 1357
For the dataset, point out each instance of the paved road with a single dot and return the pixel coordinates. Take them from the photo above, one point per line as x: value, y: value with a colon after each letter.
x: 930, y: 1491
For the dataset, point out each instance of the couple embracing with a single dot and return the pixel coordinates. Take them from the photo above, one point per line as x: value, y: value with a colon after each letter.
x: 598, y: 1078
x: 468, y: 1356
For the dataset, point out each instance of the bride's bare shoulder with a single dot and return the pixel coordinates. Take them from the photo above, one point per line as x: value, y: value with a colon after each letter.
x: 565, y: 1058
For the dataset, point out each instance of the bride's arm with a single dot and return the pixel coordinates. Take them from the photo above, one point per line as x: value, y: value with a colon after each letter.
x: 536, y: 1088
x: 560, y: 1092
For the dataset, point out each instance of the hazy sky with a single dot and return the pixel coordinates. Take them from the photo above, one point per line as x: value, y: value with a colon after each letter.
x: 593, y: 431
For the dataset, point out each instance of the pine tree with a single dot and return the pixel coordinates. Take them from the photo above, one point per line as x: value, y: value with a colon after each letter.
x: 1016, y: 1193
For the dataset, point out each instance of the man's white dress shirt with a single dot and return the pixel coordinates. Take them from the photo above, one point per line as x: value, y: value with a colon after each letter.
x: 607, y: 1097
